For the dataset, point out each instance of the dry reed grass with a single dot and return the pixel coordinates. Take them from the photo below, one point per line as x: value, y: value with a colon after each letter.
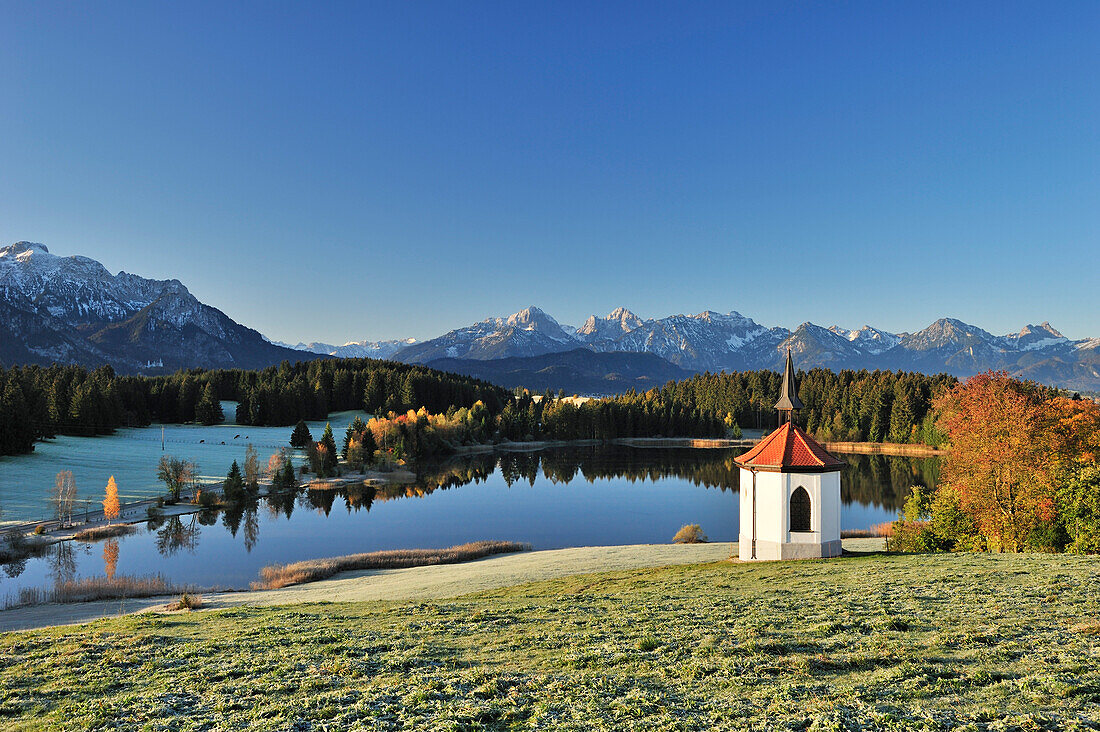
x: 94, y: 588
x: 281, y: 575
x: 875, y: 532
x: 104, y: 532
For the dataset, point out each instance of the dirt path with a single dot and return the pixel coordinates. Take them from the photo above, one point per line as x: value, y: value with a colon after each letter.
x: 415, y: 583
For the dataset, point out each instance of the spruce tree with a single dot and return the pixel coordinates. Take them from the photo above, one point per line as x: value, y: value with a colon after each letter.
x: 233, y: 491
x: 357, y: 425
x: 301, y: 437
x: 328, y: 455
x: 290, y: 480
x: 369, y: 446
x: 209, y: 410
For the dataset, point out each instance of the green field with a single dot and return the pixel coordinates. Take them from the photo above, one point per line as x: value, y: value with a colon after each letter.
x: 864, y: 642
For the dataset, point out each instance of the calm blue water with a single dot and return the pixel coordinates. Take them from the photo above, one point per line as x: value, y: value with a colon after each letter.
x: 131, y: 455
x: 557, y: 498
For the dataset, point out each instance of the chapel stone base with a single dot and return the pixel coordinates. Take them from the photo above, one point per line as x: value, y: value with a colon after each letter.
x: 773, y: 550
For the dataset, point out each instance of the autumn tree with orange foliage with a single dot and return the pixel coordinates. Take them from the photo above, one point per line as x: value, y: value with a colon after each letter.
x: 1076, y: 442
x: 1022, y: 472
x: 1000, y: 464
x: 110, y: 501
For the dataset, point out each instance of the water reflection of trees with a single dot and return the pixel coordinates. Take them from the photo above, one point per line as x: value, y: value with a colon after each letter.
x: 877, y: 480
x: 62, y: 562
x: 885, y: 480
x: 176, y: 533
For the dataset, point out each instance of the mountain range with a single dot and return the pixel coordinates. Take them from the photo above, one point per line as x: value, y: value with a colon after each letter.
x: 713, y: 341
x: 72, y: 310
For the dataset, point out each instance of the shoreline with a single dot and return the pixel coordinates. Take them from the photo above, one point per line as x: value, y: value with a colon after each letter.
x: 439, y: 581
x: 705, y: 443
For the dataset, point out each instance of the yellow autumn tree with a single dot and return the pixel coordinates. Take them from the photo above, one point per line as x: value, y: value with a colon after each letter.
x: 110, y: 501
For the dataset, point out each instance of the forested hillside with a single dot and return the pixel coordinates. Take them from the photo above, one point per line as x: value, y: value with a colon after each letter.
x: 41, y: 402
x: 872, y: 406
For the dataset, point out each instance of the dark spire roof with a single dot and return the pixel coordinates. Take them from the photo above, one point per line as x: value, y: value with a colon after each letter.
x: 788, y: 397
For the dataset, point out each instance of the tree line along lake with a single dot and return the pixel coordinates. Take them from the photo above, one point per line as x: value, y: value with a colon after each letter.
x: 583, y: 495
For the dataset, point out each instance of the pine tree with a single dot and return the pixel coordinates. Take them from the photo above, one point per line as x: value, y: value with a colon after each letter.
x: 290, y: 480
x: 209, y: 409
x: 357, y: 425
x: 368, y: 446
x: 233, y: 489
x: 110, y: 501
x: 328, y: 455
x: 301, y: 437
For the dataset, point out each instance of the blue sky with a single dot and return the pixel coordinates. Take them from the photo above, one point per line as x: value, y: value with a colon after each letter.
x: 338, y: 171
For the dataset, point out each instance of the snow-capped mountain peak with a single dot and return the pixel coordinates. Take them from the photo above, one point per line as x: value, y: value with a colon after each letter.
x: 73, y: 310
x: 535, y: 319
x: 618, y: 321
x: 24, y: 250
x: 868, y: 339
x: 354, y: 349
x: 1036, y: 337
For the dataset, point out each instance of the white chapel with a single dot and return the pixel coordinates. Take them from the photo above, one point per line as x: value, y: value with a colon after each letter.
x: 790, y: 490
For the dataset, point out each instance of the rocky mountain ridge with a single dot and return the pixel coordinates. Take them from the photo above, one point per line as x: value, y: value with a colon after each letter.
x: 711, y: 341
x: 73, y: 310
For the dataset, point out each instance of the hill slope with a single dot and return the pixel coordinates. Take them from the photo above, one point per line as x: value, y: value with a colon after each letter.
x: 932, y: 642
x: 579, y: 371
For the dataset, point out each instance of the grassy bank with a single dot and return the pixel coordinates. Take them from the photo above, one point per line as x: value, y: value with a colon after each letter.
x: 865, y: 642
x: 311, y: 570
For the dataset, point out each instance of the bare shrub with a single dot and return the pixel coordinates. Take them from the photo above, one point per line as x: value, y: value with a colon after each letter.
x: 104, y: 532
x: 187, y: 601
x: 281, y: 575
x: 690, y: 534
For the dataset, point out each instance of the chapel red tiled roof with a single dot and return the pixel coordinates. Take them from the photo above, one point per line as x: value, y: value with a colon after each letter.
x: 789, y: 448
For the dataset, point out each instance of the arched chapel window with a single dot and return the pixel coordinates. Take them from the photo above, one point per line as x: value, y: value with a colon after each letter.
x: 800, y: 510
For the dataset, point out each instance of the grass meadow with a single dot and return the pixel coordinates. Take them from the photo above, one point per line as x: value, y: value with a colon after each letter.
x: 934, y: 642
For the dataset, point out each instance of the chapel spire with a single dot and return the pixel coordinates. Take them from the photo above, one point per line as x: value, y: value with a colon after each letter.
x: 788, y: 396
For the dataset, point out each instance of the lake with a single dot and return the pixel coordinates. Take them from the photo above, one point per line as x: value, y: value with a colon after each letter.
x: 575, y: 496
x: 131, y: 455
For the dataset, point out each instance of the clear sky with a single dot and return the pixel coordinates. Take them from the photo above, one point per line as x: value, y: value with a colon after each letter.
x: 339, y: 171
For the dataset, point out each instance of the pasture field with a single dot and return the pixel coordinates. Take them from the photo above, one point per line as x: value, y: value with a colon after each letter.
x: 874, y: 641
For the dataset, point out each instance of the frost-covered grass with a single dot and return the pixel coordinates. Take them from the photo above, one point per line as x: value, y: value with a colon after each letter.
x: 866, y: 642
